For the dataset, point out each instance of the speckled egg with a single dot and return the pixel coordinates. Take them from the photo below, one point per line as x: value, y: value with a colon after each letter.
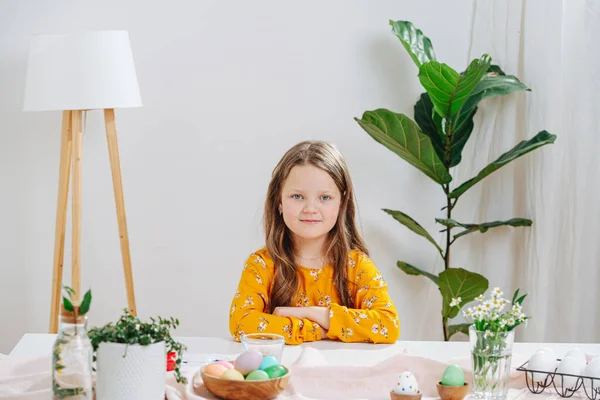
x: 406, y: 384
x: 248, y: 361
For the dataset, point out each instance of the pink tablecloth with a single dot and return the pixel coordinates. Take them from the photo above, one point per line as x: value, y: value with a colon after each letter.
x: 312, y: 379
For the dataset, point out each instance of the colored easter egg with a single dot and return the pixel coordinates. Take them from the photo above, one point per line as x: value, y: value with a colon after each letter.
x: 225, y: 364
x: 215, y: 369
x: 257, y: 375
x: 248, y: 361
x: 232, y: 374
x: 453, y: 376
x: 268, y: 361
x: 406, y: 384
x: 276, y: 371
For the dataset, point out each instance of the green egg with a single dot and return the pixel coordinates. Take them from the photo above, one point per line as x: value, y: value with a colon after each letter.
x: 453, y: 376
x: 276, y: 371
x: 257, y: 375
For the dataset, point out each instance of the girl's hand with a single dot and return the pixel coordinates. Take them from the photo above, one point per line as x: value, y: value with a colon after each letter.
x: 320, y: 315
x: 296, y: 312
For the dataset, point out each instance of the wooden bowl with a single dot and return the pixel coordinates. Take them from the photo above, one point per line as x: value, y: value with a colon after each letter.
x: 452, y: 392
x: 244, y: 390
x: 407, y: 396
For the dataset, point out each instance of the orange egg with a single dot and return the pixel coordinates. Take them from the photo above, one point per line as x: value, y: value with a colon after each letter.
x: 215, y: 369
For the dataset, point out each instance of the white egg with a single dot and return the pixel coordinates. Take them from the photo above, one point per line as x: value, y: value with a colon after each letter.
x: 568, y: 365
x: 593, y: 371
x: 578, y: 354
x: 407, y: 384
x: 549, y: 350
x: 544, y: 361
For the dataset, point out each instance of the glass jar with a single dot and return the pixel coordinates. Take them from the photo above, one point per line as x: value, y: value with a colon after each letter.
x: 72, y: 358
x: 491, y: 357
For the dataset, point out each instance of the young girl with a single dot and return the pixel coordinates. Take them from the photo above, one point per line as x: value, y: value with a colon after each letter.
x: 314, y: 279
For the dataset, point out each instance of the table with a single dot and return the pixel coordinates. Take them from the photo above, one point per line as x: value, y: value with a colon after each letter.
x: 205, y: 349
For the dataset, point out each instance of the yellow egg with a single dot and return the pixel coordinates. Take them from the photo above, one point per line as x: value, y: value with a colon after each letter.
x: 232, y: 374
x: 215, y: 369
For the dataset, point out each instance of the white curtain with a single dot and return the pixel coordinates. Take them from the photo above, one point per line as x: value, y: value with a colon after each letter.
x: 552, y: 47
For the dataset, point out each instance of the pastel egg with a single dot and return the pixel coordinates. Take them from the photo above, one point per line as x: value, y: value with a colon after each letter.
x: 268, y: 361
x: 226, y: 364
x: 276, y: 371
x: 257, y: 375
x: 453, y: 376
x: 232, y: 374
x: 215, y: 369
x: 248, y: 361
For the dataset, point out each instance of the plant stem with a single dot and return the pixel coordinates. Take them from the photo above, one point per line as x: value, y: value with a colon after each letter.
x: 445, y: 328
x: 449, y: 230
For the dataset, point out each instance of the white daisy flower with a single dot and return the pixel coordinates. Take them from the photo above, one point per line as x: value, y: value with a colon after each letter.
x: 497, y: 292
x: 516, y: 309
x: 479, y: 298
x: 455, y: 302
x: 511, y: 321
x: 488, y: 334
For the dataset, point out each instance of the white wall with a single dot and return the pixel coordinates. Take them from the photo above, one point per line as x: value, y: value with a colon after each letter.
x: 227, y: 87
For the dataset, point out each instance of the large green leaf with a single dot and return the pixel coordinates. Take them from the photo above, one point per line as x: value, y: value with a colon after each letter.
x: 412, y: 225
x: 418, y: 45
x: 448, y: 89
x: 494, y: 83
x: 458, y: 282
x: 430, y: 123
x: 424, y: 118
x: 460, y: 127
x: 483, y: 227
x: 401, y: 135
x: 464, y: 328
x: 524, y: 147
x: 410, y: 270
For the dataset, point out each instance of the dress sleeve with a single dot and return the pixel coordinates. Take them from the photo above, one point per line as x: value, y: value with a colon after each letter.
x: 374, y: 318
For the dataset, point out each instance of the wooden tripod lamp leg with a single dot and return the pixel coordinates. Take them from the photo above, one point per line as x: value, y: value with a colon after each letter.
x: 115, y: 166
x: 61, y: 219
x: 76, y: 205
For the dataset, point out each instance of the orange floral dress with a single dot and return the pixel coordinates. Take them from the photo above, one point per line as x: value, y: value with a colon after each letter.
x: 372, y: 319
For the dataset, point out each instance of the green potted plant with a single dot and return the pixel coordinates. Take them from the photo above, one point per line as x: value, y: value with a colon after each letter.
x: 434, y: 142
x: 131, y: 357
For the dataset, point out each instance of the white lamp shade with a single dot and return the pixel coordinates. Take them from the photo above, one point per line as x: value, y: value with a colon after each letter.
x: 82, y: 71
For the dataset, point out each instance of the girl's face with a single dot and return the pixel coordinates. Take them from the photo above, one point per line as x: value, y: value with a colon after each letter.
x: 310, y: 202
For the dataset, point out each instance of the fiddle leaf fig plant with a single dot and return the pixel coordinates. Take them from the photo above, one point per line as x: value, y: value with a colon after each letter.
x: 433, y: 143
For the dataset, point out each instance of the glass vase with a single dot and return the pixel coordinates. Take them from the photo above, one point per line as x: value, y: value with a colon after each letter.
x: 72, y: 360
x: 491, y: 354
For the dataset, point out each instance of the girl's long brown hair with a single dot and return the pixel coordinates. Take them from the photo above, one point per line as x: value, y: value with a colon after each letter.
x: 342, y: 238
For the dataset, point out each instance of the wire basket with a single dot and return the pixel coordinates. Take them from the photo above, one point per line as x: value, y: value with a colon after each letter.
x: 590, y: 385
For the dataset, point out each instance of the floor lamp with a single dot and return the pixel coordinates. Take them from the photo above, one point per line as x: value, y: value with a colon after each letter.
x: 75, y: 73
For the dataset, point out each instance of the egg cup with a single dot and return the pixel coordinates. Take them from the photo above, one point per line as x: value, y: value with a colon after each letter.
x: 452, y: 392
x: 405, y: 396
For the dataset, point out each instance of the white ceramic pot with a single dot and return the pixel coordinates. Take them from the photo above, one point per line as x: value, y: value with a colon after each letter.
x: 130, y: 372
